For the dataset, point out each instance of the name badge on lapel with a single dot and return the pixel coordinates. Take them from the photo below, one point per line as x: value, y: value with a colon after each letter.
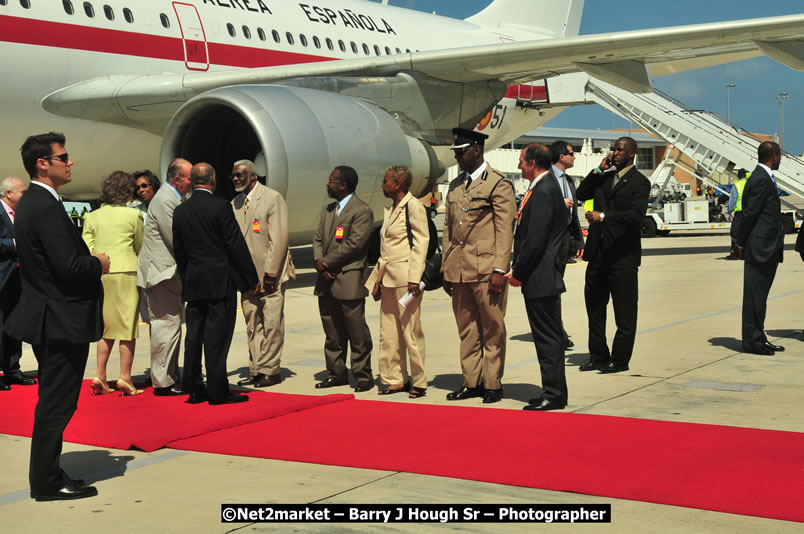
x: 339, y: 233
x: 255, y: 226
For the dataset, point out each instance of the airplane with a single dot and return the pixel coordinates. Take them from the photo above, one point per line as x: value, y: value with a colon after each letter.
x: 301, y: 87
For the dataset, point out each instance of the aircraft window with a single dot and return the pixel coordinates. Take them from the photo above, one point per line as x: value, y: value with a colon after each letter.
x: 289, y: 37
x: 231, y: 29
x: 276, y: 36
x: 316, y: 42
x: 3, y: 2
x: 329, y: 44
x: 342, y: 46
x: 261, y: 33
x: 387, y: 51
x: 354, y: 47
x: 377, y: 51
x: 366, y: 49
x: 128, y: 15
x: 109, y: 12
x: 246, y: 32
x: 25, y: 3
x: 68, y: 6
x: 398, y: 51
x: 407, y: 50
x: 165, y: 20
x: 302, y: 39
x: 89, y: 10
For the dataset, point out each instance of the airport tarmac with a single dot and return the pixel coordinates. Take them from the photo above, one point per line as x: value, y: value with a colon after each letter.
x: 687, y: 366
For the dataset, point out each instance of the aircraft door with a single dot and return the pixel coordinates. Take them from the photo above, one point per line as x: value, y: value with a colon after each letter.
x: 196, y: 55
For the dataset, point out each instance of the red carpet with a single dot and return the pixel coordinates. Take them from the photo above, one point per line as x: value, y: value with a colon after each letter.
x: 726, y: 469
x: 147, y: 422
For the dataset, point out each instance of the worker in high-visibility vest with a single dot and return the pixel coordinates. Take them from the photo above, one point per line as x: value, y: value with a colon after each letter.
x: 736, y: 207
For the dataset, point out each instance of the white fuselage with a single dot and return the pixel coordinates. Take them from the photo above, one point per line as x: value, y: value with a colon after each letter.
x: 44, y: 49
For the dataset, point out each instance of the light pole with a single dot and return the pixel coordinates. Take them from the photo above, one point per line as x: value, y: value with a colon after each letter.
x: 781, y: 97
x: 728, y: 101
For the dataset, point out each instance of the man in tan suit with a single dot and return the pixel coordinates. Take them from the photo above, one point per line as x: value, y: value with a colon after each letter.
x: 478, y: 233
x: 340, y: 249
x: 157, y: 275
x: 262, y: 216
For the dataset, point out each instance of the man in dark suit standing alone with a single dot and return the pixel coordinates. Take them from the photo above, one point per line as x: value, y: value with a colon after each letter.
x: 11, y: 191
x: 214, y: 263
x: 340, y: 249
x: 614, y: 252
x: 539, y: 257
x: 60, y: 310
x: 760, y: 242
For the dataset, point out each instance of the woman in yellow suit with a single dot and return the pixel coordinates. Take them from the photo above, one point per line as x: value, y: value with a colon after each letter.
x: 117, y: 230
x: 405, y: 237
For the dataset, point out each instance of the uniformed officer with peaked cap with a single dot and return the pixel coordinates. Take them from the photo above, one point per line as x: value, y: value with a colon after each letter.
x: 478, y: 233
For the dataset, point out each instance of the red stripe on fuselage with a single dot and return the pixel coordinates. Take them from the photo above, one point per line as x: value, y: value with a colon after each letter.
x: 75, y: 37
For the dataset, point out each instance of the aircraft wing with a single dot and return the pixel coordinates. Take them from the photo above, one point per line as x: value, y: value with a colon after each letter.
x: 625, y: 59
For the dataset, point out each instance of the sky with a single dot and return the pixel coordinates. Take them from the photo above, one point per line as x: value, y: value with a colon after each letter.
x: 754, y: 104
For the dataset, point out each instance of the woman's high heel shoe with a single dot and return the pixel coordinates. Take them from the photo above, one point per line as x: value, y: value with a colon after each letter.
x: 126, y: 388
x: 99, y: 387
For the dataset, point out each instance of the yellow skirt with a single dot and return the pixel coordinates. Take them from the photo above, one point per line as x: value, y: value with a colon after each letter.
x: 121, y: 302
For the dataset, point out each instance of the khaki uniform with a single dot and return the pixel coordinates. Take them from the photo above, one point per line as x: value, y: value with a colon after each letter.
x: 264, y: 225
x: 477, y: 239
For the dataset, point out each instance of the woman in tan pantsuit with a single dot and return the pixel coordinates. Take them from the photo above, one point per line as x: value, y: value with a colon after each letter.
x: 117, y: 230
x: 398, y: 271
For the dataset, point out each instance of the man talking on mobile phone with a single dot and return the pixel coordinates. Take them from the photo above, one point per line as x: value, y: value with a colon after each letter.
x: 614, y: 252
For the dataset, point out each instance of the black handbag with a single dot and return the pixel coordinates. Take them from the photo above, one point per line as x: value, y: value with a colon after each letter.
x: 432, y: 277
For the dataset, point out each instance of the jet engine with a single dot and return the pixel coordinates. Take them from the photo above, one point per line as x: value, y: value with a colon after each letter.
x: 301, y: 135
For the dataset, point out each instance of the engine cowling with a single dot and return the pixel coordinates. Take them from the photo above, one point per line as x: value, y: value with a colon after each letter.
x: 301, y: 135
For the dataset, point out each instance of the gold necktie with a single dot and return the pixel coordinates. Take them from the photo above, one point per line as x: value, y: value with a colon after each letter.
x: 245, y: 207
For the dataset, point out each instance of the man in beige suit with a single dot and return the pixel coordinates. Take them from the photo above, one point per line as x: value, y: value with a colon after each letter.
x: 478, y: 233
x: 262, y: 216
x: 156, y: 274
x: 340, y: 249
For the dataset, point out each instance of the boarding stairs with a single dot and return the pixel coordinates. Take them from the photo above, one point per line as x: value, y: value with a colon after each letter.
x: 710, y: 141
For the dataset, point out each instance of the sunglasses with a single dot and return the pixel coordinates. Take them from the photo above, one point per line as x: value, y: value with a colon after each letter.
x: 63, y: 157
x: 239, y: 174
x: 143, y: 186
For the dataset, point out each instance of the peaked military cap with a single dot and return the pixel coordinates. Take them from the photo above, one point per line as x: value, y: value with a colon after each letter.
x: 465, y: 138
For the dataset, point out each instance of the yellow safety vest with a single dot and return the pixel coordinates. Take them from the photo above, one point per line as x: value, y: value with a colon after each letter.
x: 740, y: 185
x: 589, y: 205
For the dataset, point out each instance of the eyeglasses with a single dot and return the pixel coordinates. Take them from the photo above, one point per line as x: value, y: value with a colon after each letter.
x: 240, y: 174
x: 570, y: 154
x: 63, y: 157
x: 143, y: 186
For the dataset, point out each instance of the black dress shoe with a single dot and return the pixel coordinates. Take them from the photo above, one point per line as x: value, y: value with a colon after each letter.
x: 171, y: 391
x: 363, y: 386
x: 544, y: 405
x: 591, y: 366
x: 231, y: 398
x: 268, y: 381
x: 71, y: 490
x: 568, y: 344
x: 613, y: 368
x: 4, y: 386
x: 22, y: 380
x: 493, y: 395
x: 465, y: 393
x: 331, y: 383
x: 251, y: 380
x: 774, y: 348
x: 197, y: 398
x: 762, y: 351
